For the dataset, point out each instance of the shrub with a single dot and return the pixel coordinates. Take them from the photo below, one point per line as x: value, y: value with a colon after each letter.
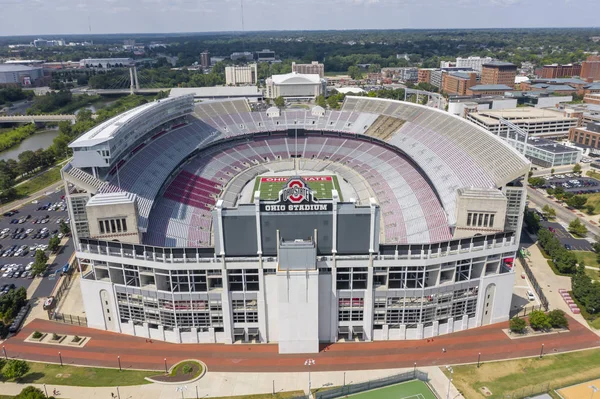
x: 37, y: 335
x: 538, y: 320
x: 15, y: 369
x: 55, y: 336
x: 517, y: 325
x: 76, y: 338
x: 187, y: 369
x: 558, y: 319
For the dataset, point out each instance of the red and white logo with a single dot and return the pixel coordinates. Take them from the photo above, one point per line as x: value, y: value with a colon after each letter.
x: 296, y: 191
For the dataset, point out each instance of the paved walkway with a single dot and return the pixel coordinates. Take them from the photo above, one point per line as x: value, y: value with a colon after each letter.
x: 215, y: 384
x: 138, y: 353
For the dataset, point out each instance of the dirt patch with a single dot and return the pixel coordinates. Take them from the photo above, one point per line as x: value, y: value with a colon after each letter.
x: 184, y: 371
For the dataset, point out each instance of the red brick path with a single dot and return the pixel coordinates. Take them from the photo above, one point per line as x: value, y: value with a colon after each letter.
x: 461, y: 347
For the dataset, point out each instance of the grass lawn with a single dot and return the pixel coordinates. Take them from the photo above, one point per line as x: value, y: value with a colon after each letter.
x: 42, y: 373
x: 399, y: 391
x: 588, y: 258
x: 593, y: 199
x: 39, y: 182
x: 526, y: 375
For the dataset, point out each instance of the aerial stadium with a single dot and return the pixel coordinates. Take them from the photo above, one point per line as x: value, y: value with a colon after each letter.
x: 212, y: 223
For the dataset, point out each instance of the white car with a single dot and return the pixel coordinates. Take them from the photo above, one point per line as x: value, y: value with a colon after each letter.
x: 29, y: 266
x: 530, y: 295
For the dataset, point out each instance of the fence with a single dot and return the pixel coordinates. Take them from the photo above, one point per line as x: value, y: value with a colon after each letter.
x: 528, y: 392
x: 69, y: 319
x: 63, y: 286
x: 534, y: 283
x: 373, y: 384
x: 525, y: 310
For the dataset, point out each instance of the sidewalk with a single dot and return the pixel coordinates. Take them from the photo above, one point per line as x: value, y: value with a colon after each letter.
x: 215, y: 384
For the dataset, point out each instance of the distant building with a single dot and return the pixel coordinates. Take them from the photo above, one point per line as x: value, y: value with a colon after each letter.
x: 590, y: 69
x: 498, y: 89
x: 251, y: 93
x: 424, y: 75
x: 265, y: 56
x: 457, y: 83
x: 592, y: 99
x: 498, y: 73
x: 560, y: 71
x: 404, y: 74
x: 205, y: 59
x: 106, y: 62
x: 295, y: 85
x: 447, y: 64
x: 313, y: 68
x: 20, y: 75
x: 588, y: 136
x: 538, y: 122
x: 461, y: 106
x: 475, y: 63
x: 246, y: 55
x: 241, y: 75
x: 555, y: 85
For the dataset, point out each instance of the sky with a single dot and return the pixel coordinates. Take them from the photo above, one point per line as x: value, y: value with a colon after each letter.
x: 55, y: 17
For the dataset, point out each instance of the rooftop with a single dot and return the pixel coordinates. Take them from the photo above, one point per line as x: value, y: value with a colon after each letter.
x: 490, y: 87
x: 520, y: 115
x: 111, y: 199
x: 550, y: 87
x: 296, y: 78
x: 550, y: 146
x: 499, y: 63
x: 217, y: 91
x: 17, y: 68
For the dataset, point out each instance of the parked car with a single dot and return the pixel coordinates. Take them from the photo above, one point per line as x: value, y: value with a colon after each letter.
x: 530, y: 295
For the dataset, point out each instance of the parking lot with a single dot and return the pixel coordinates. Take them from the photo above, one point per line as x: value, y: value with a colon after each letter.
x: 573, y: 184
x: 22, y: 233
x: 566, y: 239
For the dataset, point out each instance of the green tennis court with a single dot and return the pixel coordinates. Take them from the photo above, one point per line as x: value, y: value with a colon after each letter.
x: 406, y: 390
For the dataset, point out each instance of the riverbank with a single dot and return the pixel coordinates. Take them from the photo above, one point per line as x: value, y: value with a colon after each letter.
x: 40, y: 139
x: 13, y: 137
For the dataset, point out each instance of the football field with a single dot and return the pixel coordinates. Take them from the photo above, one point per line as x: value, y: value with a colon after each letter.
x: 406, y: 390
x: 269, y: 186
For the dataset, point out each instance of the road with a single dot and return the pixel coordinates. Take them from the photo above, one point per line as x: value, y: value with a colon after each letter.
x: 561, y: 212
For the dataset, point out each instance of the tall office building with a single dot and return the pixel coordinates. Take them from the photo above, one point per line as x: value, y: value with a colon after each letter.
x: 241, y: 75
x: 590, y: 69
x: 205, y: 59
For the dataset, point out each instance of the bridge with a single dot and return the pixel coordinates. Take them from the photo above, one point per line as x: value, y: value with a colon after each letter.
x: 38, y: 118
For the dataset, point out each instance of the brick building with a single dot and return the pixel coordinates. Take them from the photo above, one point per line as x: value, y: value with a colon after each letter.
x: 457, y: 83
x: 314, y: 68
x: 498, y: 73
x: 424, y: 75
x: 590, y: 69
x: 560, y: 71
x: 587, y: 136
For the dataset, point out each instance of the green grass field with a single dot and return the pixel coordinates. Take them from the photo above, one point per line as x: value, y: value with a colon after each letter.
x: 269, y: 191
x: 405, y: 390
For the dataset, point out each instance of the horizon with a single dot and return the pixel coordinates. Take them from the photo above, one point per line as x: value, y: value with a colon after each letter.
x: 81, y: 17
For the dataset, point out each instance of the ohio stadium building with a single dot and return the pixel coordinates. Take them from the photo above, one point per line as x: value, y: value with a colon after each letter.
x: 211, y: 222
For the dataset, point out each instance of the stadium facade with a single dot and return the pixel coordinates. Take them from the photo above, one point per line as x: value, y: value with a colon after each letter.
x: 177, y: 242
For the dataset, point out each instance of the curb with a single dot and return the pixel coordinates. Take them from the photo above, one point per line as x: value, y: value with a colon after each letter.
x: 204, y: 370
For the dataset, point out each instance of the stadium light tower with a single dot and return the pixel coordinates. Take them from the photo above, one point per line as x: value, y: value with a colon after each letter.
x: 308, y: 363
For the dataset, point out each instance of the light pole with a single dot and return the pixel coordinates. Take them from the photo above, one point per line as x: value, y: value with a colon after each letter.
x: 118, y: 393
x: 542, y: 351
x: 45, y: 390
x: 415, y: 370
x: 181, y: 389
x: 344, y: 378
x: 449, y: 383
x: 166, y: 371
x: 119, y: 359
x: 60, y: 357
x: 308, y: 363
x: 4, y: 350
x: 594, y: 390
x: 478, y: 359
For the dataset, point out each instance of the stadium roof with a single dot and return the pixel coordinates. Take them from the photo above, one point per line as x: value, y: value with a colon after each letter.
x: 490, y: 87
x: 216, y: 92
x: 111, y: 199
x: 499, y: 63
x: 296, y: 78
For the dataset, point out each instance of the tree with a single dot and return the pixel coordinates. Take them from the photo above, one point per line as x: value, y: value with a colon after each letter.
x: 53, y: 243
x: 64, y: 228
x: 15, y: 369
x: 538, y: 320
x: 590, y: 209
x: 558, y: 319
x: 320, y: 101
x: 39, y: 265
x: 549, y: 212
x: 577, y: 168
x: 32, y: 393
x: 517, y: 325
x: 354, y: 72
x: 552, y: 171
x: 279, y: 102
x: 532, y: 220
x: 576, y: 201
x: 577, y: 228
x: 536, y: 181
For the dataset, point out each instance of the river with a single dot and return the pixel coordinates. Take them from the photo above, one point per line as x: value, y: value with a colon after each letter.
x: 41, y: 139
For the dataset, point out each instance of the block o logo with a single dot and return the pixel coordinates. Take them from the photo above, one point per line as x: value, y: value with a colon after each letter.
x: 296, y: 192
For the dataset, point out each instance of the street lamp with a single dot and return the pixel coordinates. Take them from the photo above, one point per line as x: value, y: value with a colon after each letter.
x: 166, y: 371
x: 542, y: 351
x: 415, y: 370
x: 60, y: 357
x: 181, y: 389
x: 308, y: 363
x: 478, y: 359
x: 4, y: 350
x: 594, y: 390
x: 45, y: 390
x: 119, y: 359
